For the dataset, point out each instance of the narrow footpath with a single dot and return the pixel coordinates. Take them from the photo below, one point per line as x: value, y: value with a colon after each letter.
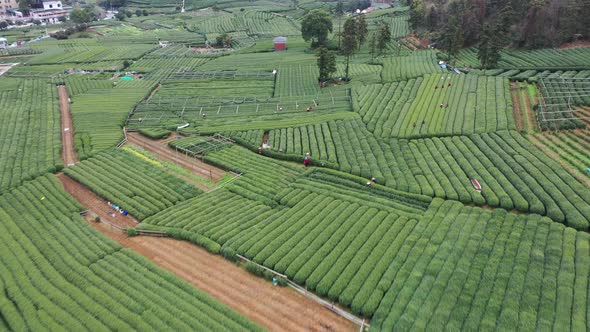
x: 68, y: 152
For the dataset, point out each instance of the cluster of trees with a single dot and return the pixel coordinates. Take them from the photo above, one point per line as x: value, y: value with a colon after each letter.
x: 122, y: 14
x: 317, y: 25
x: 64, y: 34
x: 518, y: 23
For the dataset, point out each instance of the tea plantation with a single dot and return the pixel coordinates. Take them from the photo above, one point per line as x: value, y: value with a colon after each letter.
x: 426, y: 191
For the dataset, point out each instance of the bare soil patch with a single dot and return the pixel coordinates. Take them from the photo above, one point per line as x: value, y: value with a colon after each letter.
x: 95, y: 204
x: 575, y: 44
x: 68, y: 152
x: 274, y: 307
x: 514, y: 91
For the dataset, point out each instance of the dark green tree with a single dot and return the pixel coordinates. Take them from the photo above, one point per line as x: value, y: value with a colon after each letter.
x: 489, y: 48
x: 452, y: 39
x: 339, y: 12
x: 417, y: 14
x: 80, y: 16
x: 326, y: 63
x: 138, y: 12
x: 349, y: 42
x: 361, y: 30
x: 373, y: 45
x: 24, y: 6
x: 315, y: 26
x: 383, y: 37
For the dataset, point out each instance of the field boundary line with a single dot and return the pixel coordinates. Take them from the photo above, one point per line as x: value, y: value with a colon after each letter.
x: 330, y: 306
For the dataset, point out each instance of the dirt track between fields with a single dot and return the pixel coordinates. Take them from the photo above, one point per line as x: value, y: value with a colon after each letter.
x: 68, y: 152
x: 161, y: 149
x: 516, y: 106
x: 95, y: 204
x: 274, y: 307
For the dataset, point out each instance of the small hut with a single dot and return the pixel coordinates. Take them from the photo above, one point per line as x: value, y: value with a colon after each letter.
x: 280, y: 43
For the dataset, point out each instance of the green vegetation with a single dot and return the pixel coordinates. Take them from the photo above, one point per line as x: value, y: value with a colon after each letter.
x: 59, y: 273
x: 435, y: 105
x: 385, y: 218
x: 138, y: 185
x: 29, y: 131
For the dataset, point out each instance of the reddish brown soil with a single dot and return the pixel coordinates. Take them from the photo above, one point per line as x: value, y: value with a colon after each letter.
x: 275, y: 308
x: 161, y: 149
x: 576, y: 44
x: 68, y: 152
x: 96, y: 205
x: 514, y: 91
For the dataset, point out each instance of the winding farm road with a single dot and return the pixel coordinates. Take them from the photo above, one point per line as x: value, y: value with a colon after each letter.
x: 68, y: 152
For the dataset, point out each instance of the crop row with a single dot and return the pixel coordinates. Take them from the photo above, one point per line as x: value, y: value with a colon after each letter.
x: 218, y: 217
x: 98, y: 116
x: 571, y: 147
x: 300, y: 80
x: 542, y: 59
x: 261, y: 178
x: 175, y: 64
x: 90, y: 53
x: 252, y: 22
x: 30, y: 142
x: 81, y: 84
x: 442, y: 104
x: 313, y: 139
x: 512, y: 172
x: 470, y: 269
x: 57, y: 273
x: 403, y: 68
x: 135, y: 184
x: 331, y: 246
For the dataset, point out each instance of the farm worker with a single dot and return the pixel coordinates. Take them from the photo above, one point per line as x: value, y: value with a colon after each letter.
x: 280, y: 150
x: 115, y: 206
x: 446, y: 105
x: 374, y: 180
x: 259, y: 150
x: 125, y: 213
x: 441, y: 105
x: 306, y: 161
x: 309, y: 109
x: 369, y: 184
x: 109, y: 203
x: 280, y: 109
x: 423, y: 122
x: 204, y: 115
x: 436, y: 87
x: 449, y: 84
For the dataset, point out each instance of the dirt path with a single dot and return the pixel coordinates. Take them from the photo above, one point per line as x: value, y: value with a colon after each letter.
x: 515, y: 92
x: 528, y: 110
x: 95, y: 204
x: 160, y: 148
x: 68, y: 152
x: 154, y: 92
x: 276, y: 308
